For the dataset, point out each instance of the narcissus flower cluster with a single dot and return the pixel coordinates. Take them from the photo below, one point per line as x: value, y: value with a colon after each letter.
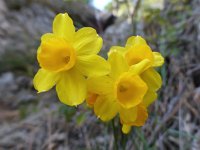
x: 131, y: 85
x: 125, y: 84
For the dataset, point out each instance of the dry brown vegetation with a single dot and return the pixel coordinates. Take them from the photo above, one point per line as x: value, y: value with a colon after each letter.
x: 32, y: 122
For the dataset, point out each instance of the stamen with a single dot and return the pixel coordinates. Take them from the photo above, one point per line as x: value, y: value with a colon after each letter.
x: 67, y: 59
x: 122, y: 88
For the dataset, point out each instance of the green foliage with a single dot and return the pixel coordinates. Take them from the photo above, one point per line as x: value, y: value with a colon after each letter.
x: 67, y: 111
x: 70, y: 113
x: 23, y: 111
x: 108, y: 7
x: 80, y: 119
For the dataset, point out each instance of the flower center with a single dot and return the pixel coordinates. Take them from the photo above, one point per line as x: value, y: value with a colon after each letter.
x: 122, y: 88
x: 56, y: 55
x: 130, y: 90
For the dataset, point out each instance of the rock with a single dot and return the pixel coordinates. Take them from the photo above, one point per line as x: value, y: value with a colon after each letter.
x: 116, y: 34
x: 3, y: 7
x: 29, y: 23
x: 7, y: 82
x: 105, y: 19
x: 15, y: 91
x: 22, y: 26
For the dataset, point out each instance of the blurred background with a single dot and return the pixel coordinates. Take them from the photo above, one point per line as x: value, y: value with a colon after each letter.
x: 31, y: 121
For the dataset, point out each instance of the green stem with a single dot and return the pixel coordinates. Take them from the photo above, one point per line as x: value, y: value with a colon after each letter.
x: 115, y: 135
x: 124, y: 140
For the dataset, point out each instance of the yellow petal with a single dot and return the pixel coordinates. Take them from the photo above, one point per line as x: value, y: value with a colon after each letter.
x: 141, y: 117
x: 152, y: 79
x: 47, y: 36
x: 38, y: 50
x: 87, y: 41
x: 140, y: 67
x: 92, y: 65
x: 126, y: 128
x: 71, y: 88
x: 130, y: 90
x: 118, y: 64
x: 63, y: 27
x: 45, y: 80
x: 138, y: 53
x: 100, y: 85
x: 119, y: 49
x: 158, y: 59
x: 105, y: 108
x: 135, y: 40
x: 128, y: 116
x: 149, y: 98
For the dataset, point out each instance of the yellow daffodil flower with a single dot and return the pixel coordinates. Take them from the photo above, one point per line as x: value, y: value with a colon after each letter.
x: 121, y: 92
x: 137, y: 51
x: 131, y: 85
x: 66, y: 58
